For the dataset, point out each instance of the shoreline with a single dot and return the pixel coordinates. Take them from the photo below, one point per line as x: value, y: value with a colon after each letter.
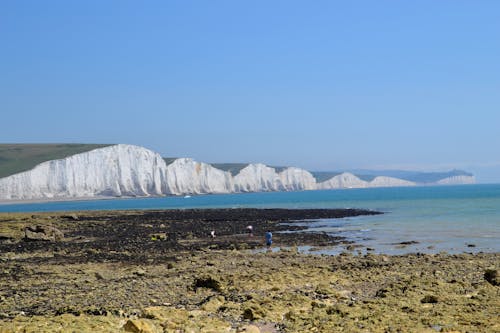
x: 50, y: 200
x: 192, y: 226
x: 109, y: 274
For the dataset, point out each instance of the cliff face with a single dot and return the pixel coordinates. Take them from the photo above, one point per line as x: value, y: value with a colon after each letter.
x: 126, y: 170
x: 257, y: 177
x: 348, y: 180
x: 186, y: 176
x: 120, y: 170
x: 455, y: 180
x: 384, y: 181
x: 344, y: 180
x: 295, y: 179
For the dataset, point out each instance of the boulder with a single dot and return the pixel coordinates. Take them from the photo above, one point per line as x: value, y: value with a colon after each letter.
x: 254, y: 312
x: 138, y: 326
x: 104, y: 275
x: 213, y: 304
x: 139, y: 272
x: 43, y: 233
x: 209, y: 283
x: 159, y: 236
x: 432, y: 299
x: 492, y: 276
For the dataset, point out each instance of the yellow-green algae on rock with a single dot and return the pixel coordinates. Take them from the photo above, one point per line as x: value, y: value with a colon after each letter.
x: 278, y: 292
x: 108, y: 275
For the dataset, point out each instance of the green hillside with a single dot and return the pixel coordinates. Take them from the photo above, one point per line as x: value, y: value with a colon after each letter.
x: 233, y: 168
x: 169, y: 160
x: 15, y: 158
x: 323, y: 176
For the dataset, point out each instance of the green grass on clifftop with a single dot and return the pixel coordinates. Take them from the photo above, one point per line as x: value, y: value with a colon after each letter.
x: 233, y: 168
x: 15, y: 158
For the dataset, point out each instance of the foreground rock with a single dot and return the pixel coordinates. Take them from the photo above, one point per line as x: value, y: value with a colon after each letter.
x: 225, y: 291
x: 197, y: 287
x: 42, y: 233
x: 492, y: 276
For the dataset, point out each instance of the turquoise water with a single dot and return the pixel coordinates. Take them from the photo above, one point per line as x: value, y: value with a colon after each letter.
x: 439, y: 218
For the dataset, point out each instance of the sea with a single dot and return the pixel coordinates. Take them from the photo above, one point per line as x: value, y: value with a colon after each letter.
x: 425, y: 219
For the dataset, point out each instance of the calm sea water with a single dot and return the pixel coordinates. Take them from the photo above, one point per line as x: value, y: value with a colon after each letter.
x: 439, y: 218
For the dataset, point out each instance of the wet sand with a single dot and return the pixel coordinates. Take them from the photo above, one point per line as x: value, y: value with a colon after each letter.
x: 160, y: 271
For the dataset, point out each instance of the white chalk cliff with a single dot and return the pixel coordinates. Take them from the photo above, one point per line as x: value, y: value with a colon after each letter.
x: 261, y: 178
x: 127, y: 170
x: 344, y: 180
x: 257, y: 177
x: 384, y: 181
x: 455, y: 180
x: 296, y: 179
x: 186, y: 176
x: 348, y: 180
x: 119, y: 170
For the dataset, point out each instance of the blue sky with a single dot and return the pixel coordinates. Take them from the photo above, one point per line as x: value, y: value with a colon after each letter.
x: 323, y: 85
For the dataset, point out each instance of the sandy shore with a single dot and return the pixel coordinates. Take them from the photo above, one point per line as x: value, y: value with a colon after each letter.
x: 159, y: 271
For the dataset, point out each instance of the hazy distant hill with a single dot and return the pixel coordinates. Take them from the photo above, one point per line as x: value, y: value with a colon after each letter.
x: 366, y: 175
x: 15, y: 158
x: 418, y: 177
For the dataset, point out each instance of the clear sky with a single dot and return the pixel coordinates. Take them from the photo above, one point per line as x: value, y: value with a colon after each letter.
x: 323, y: 85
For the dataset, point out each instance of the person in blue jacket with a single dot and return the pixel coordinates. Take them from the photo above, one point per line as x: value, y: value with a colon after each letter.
x: 269, y: 238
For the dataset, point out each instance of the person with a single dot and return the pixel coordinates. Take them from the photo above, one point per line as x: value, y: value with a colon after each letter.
x: 269, y: 238
x: 250, y: 230
x: 212, y: 233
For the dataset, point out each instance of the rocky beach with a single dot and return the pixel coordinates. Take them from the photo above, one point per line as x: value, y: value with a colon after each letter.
x: 161, y: 271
